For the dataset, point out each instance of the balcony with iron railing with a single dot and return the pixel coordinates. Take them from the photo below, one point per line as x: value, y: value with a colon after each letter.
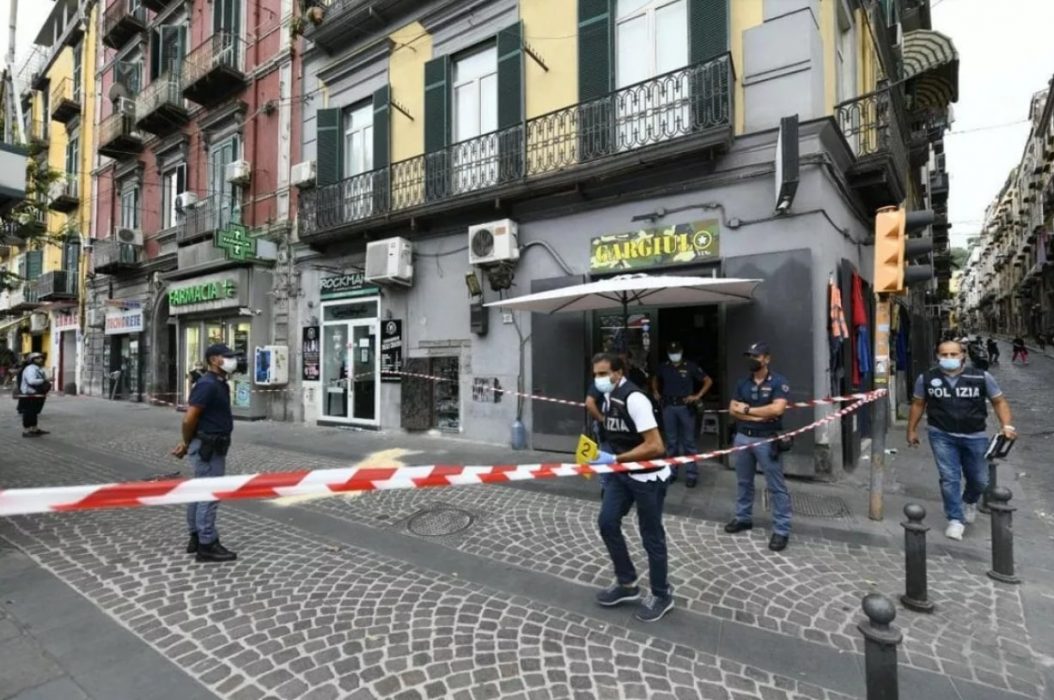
x: 23, y: 297
x: 118, y: 137
x: 111, y: 257
x: 874, y: 125
x: 160, y: 108
x: 155, y: 5
x: 65, y: 101
x: 687, y: 112
x: 65, y: 194
x: 215, y: 69
x: 57, y: 285
x: 122, y: 20
x: 202, y: 220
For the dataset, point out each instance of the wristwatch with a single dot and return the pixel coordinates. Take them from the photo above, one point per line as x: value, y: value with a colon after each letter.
x: 746, y: 410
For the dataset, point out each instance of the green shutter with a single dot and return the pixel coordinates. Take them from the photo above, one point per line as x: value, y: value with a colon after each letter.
x: 437, y: 128
x: 382, y: 129
x: 707, y: 29
x: 155, y: 54
x: 510, y: 102
x: 328, y: 146
x: 595, y: 64
x: 34, y: 264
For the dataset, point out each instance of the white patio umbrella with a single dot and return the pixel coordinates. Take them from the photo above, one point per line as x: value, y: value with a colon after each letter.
x: 636, y: 290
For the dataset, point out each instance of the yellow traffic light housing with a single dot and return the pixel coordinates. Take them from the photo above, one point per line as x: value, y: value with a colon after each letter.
x: 890, y: 231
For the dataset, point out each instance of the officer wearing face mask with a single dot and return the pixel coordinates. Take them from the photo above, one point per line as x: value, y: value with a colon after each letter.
x: 674, y: 386
x: 207, y: 431
x: 954, y: 398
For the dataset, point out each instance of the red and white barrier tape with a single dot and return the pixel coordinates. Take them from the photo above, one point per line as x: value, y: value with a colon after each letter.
x: 332, y: 481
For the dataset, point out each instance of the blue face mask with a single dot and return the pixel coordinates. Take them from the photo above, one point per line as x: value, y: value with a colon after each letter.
x: 950, y: 364
x: 603, y: 384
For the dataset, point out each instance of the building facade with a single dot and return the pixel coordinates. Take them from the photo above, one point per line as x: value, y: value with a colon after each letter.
x: 198, y: 127
x: 1008, y: 284
x: 457, y: 153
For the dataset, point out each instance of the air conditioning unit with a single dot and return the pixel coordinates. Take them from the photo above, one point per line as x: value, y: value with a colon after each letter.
x: 132, y: 236
x: 38, y: 323
x: 185, y: 201
x: 238, y: 172
x: 494, y: 242
x: 303, y: 175
x: 390, y: 261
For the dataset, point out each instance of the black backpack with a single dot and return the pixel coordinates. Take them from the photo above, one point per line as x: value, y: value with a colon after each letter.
x: 16, y: 390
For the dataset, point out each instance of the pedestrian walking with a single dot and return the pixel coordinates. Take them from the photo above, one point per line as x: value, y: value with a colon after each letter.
x: 32, y: 387
x: 1041, y: 341
x: 757, y: 406
x: 954, y: 397
x: 678, y: 385
x: 207, y: 430
x: 1020, y: 350
x: 595, y: 401
x: 993, y: 351
x: 632, y: 435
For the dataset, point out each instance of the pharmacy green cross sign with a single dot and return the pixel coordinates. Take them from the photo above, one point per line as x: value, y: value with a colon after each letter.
x: 235, y: 242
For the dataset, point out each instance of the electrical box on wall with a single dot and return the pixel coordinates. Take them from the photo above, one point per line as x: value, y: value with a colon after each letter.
x: 272, y: 365
x: 478, y: 318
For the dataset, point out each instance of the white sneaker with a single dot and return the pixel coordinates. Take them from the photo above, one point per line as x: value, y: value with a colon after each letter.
x: 954, y: 530
x: 970, y: 511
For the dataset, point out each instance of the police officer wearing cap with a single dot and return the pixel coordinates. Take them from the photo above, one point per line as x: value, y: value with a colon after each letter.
x: 674, y: 385
x: 757, y: 407
x: 207, y: 431
x: 954, y: 398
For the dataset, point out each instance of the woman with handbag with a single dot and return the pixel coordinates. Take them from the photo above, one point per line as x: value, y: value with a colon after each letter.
x: 33, y: 388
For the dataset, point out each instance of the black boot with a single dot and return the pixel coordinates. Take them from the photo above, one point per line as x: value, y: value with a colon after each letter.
x: 215, y: 552
x: 192, y: 546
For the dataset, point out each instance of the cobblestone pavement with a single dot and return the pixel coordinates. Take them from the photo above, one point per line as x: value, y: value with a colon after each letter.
x: 311, y: 619
x: 810, y: 592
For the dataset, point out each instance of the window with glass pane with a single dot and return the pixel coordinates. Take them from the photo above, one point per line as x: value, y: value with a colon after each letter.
x: 475, y: 119
x: 171, y: 50
x: 193, y: 352
x: 225, y: 196
x: 335, y: 370
x: 173, y: 183
x: 78, y: 60
x: 651, y: 40
x: 73, y: 152
x: 358, y: 159
x: 130, y: 206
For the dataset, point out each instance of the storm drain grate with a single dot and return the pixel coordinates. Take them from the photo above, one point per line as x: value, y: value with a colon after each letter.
x: 440, y: 521
x: 813, y: 506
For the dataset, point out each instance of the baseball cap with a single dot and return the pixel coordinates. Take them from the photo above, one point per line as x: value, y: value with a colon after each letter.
x: 675, y: 347
x: 34, y: 355
x: 219, y: 349
x: 758, y: 349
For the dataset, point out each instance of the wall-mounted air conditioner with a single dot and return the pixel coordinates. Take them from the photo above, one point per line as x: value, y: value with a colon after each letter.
x: 132, y: 236
x: 38, y: 323
x: 185, y: 201
x: 390, y: 261
x: 493, y: 242
x: 303, y: 175
x: 238, y: 172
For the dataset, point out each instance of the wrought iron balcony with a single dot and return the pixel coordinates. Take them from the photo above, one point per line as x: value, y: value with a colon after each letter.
x: 36, y: 133
x: 65, y: 101
x: 118, y: 137
x: 122, y: 20
x: 204, y: 219
x: 687, y: 112
x: 875, y: 127
x: 23, y: 297
x: 155, y: 5
x: 65, y: 194
x: 111, y: 257
x: 939, y: 186
x: 215, y: 69
x: 160, y: 108
x: 56, y: 285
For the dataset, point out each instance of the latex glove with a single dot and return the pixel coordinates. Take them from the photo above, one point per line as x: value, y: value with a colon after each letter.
x: 604, y: 458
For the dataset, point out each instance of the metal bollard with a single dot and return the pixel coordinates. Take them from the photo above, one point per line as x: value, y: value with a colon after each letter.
x: 1002, y: 536
x: 915, y: 588
x: 880, y: 647
x: 993, y: 474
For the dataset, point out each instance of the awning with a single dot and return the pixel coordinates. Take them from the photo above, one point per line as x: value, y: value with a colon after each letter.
x: 4, y: 325
x: 931, y: 67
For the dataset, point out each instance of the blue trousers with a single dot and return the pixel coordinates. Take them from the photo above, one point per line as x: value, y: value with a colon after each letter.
x: 958, y: 457
x: 201, y: 517
x: 620, y: 494
x: 679, y: 424
x: 745, y: 462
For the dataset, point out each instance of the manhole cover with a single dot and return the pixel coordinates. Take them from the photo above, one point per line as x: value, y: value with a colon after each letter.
x: 440, y: 521
x: 813, y: 506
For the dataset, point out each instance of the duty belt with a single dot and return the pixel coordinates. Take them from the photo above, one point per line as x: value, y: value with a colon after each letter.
x: 756, y: 432
x: 675, y: 400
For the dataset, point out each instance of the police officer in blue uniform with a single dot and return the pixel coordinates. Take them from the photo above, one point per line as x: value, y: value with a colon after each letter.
x: 674, y: 386
x: 757, y: 406
x: 954, y: 398
x: 207, y: 429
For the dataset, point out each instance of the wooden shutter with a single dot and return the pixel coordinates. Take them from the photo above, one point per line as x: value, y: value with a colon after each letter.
x: 510, y: 103
x: 595, y: 42
x: 329, y: 146
x: 707, y: 29
x: 437, y: 127
x: 34, y: 264
x: 382, y: 144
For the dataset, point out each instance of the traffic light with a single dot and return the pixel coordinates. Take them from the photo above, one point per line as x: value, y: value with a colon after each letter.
x: 894, y: 251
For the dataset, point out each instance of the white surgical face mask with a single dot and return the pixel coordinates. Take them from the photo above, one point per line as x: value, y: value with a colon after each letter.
x: 229, y: 365
x: 950, y: 364
x: 675, y: 357
x: 603, y: 384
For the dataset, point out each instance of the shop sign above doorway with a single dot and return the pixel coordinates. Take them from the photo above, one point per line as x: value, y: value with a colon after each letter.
x: 351, y: 284
x: 205, y: 291
x: 121, y: 320
x: 663, y: 246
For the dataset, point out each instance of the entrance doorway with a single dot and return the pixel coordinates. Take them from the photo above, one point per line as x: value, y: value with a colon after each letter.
x: 350, y: 362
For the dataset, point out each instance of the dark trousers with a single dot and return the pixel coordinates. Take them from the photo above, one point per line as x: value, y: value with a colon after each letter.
x: 620, y: 494
x: 30, y: 410
x: 679, y: 422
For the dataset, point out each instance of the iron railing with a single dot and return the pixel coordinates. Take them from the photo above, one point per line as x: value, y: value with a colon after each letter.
x: 109, y: 254
x: 118, y: 129
x: 205, y: 218
x: 123, y: 19
x: 56, y: 284
x: 221, y: 50
x: 875, y: 125
x: 165, y: 90
x: 65, y: 100
x: 678, y: 104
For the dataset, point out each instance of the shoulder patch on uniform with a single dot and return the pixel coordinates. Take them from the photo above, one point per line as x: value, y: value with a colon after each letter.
x: 935, y: 382
x: 785, y: 387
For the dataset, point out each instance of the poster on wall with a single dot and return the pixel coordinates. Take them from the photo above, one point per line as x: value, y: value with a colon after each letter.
x: 310, y: 354
x: 242, y: 393
x: 391, y: 350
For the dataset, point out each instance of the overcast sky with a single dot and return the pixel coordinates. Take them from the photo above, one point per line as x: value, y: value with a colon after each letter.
x: 1006, y: 54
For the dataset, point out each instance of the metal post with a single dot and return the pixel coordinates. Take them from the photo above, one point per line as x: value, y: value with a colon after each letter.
x: 880, y: 647
x: 915, y: 588
x: 993, y: 481
x: 881, y: 407
x: 1002, y: 536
